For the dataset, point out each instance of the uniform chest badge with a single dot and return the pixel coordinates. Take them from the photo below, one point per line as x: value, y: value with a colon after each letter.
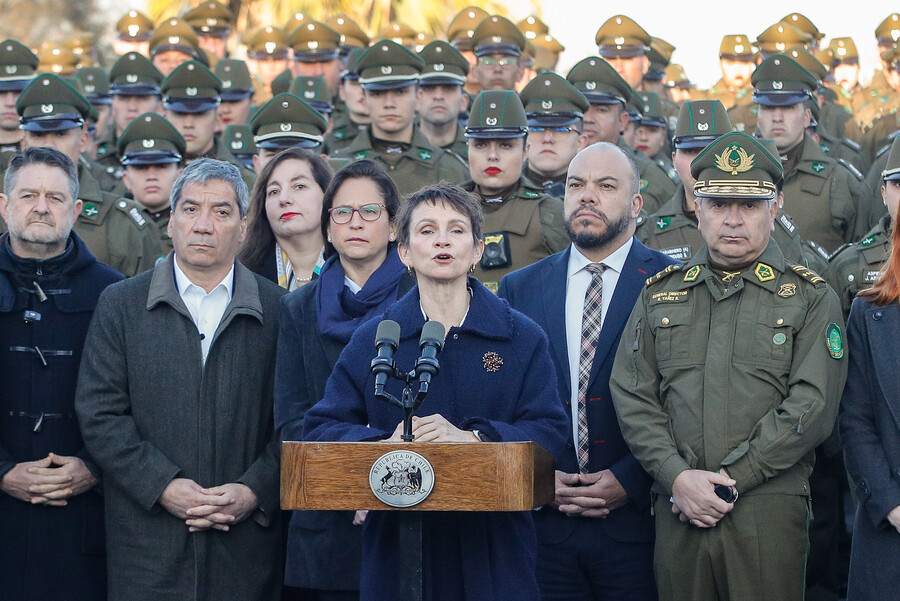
x: 492, y: 361
x: 644, y: 184
x: 425, y: 155
x: 764, y: 273
x: 834, y: 340
x: 89, y: 210
x: 692, y: 274
x: 818, y: 167
x: 868, y: 241
x: 787, y: 290
x: 663, y: 222
x: 530, y: 194
x: 359, y: 156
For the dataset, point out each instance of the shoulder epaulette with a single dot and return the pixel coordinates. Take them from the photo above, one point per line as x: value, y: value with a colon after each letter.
x: 838, y: 251
x: 807, y: 274
x: 818, y: 248
x: 664, y: 273
x: 882, y: 150
x: 852, y: 144
x: 852, y: 169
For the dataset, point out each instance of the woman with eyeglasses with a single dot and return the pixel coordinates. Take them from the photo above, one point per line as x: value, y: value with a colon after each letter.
x: 284, y: 240
x: 362, y: 276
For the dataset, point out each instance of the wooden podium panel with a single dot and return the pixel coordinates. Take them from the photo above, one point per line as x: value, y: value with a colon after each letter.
x: 485, y: 476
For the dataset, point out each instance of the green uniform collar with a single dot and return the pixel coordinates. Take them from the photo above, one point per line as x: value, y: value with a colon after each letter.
x: 764, y: 271
x: 813, y: 159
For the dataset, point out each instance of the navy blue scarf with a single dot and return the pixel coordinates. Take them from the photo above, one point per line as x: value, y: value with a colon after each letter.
x: 339, y: 311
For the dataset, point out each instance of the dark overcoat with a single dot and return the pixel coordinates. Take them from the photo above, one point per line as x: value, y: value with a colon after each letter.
x: 324, y: 548
x: 483, y: 556
x: 47, y: 552
x: 870, y: 430
x: 151, y: 411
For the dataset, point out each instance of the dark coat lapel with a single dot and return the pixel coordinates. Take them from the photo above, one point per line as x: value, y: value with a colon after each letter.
x: 553, y: 295
x: 883, y: 344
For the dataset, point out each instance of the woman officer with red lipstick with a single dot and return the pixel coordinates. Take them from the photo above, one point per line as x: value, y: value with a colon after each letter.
x: 521, y: 223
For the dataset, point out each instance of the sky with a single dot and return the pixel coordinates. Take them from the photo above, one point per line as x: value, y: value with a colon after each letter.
x: 696, y: 28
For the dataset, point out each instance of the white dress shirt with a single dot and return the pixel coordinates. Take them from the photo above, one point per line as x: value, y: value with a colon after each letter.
x: 578, y: 279
x: 206, y: 309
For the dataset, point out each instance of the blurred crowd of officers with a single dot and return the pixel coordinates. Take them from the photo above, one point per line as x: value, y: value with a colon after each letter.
x: 458, y: 111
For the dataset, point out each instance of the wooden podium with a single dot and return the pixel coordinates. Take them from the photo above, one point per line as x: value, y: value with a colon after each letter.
x: 477, y: 476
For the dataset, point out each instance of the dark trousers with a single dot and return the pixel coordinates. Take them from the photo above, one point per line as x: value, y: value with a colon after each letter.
x: 588, y: 565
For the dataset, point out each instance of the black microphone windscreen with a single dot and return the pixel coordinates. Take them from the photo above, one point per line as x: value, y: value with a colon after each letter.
x: 433, y: 330
x: 388, y: 331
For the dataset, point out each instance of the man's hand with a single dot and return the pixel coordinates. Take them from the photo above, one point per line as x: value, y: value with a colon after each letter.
x: 695, y: 499
x: 233, y: 504
x: 894, y: 517
x: 183, y: 494
x: 591, y: 495
x: 48, y: 481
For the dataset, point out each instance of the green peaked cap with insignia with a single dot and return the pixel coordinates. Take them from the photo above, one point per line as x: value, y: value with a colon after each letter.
x: 237, y: 84
x: 51, y: 104
x: 700, y: 122
x: 599, y: 82
x: 551, y: 101
x: 443, y: 65
x: 17, y: 66
x: 651, y: 109
x: 497, y: 35
x: 191, y: 88
x: 497, y: 114
x: 314, y: 92
x: 134, y: 75
x: 781, y: 81
x: 736, y: 165
x: 150, y: 140
x: 387, y: 65
x: 622, y: 37
x: 239, y: 138
x: 287, y: 121
x: 892, y: 169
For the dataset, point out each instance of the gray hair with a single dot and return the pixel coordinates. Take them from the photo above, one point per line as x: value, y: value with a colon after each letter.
x: 634, y: 182
x: 41, y: 155
x: 202, y: 171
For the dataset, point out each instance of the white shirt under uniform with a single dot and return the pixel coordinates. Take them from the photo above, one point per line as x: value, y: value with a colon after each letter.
x: 578, y: 279
x: 206, y: 309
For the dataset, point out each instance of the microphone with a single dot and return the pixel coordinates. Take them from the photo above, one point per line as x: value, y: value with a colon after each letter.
x: 387, y: 337
x: 431, y: 342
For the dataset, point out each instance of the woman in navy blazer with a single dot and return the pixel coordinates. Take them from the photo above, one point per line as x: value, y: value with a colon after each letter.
x: 870, y: 431
x: 496, y: 383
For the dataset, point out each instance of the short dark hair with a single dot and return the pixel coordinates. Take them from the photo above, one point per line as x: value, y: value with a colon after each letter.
x: 202, y: 171
x: 364, y: 169
x: 260, y: 238
x: 41, y: 155
x: 461, y: 201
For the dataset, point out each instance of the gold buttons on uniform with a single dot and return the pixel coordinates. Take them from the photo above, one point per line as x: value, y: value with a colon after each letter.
x: 665, y: 321
x: 779, y: 321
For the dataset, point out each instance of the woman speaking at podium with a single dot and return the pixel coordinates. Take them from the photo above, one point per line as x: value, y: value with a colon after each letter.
x: 495, y: 384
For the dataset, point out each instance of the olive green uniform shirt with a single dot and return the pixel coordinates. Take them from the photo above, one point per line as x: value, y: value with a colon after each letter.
x: 855, y: 266
x: 656, y: 186
x: 530, y: 220
x: 747, y: 378
x: 729, y: 97
x: 422, y: 164
x: 342, y: 133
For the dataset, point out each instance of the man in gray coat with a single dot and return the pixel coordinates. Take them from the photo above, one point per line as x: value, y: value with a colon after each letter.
x: 178, y: 413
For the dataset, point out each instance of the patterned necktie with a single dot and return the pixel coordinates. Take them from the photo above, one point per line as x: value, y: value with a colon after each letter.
x: 590, y: 332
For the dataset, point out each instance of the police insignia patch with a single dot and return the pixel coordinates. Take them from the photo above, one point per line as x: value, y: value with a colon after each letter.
x: 424, y: 155
x: 763, y: 272
x: 359, y: 156
x: 834, y: 341
x: 530, y: 194
x: 89, y: 210
x: 663, y: 222
x: 868, y: 241
x: 787, y: 290
x: 734, y: 160
x: 644, y: 184
x: 692, y: 273
x: 818, y: 167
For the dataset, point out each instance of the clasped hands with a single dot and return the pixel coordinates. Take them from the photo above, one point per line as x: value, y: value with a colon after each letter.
x: 694, y: 499
x: 215, y: 508
x: 434, y: 428
x: 591, y: 495
x: 49, y: 481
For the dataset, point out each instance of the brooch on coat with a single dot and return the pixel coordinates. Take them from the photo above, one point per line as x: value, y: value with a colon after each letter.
x: 492, y: 361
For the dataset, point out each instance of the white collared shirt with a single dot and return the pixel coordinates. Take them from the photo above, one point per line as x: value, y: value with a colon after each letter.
x: 206, y: 309
x: 578, y: 278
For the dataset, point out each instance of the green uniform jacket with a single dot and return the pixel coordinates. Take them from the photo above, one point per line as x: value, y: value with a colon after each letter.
x: 342, y: 133
x: 120, y: 232
x: 459, y: 146
x: 532, y: 223
x: 747, y: 379
x: 673, y: 233
x: 656, y: 186
x: 423, y: 164
x: 730, y: 98
x: 854, y: 267
x: 825, y: 198
x: 843, y: 149
x: 743, y: 117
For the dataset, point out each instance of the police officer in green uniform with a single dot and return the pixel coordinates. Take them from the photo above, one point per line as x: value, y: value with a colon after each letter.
x: 606, y: 118
x: 191, y: 95
x: 268, y: 54
x: 174, y: 43
x: 652, y: 133
x: 737, y: 61
x: 118, y: 231
x: 855, y: 266
x: 212, y: 22
x: 152, y: 152
x: 347, y: 124
x: 314, y: 92
x: 499, y: 47
x: 521, y: 223
x: 239, y: 139
x: 17, y: 69
x: 389, y: 74
x: 284, y: 122
x: 823, y: 197
x: 673, y: 229
x: 727, y: 377
x: 555, y: 111
x: 317, y: 50
x: 441, y: 97
x: 134, y: 31
x: 237, y: 91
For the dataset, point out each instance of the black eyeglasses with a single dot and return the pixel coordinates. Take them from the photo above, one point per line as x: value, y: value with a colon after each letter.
x: 341, y: 215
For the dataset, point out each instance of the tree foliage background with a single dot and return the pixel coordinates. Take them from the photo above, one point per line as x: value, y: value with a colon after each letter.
x: 35, y: 21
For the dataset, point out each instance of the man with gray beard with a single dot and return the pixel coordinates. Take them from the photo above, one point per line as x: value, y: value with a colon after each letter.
x: 595, y: 541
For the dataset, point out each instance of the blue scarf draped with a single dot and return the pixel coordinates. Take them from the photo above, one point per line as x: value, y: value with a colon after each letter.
x: 339, y: 311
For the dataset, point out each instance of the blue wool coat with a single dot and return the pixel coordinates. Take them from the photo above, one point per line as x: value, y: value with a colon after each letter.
x: 484, y: 556
x: 870, y: 431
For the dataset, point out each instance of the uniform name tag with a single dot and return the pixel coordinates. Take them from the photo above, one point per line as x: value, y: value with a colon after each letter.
x: 871, y: 275
x: 669, y: 296
x: 677, y: 252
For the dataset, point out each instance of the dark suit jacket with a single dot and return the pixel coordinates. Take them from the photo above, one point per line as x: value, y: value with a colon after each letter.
x: 539, y: 291
x: 870, y: 430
